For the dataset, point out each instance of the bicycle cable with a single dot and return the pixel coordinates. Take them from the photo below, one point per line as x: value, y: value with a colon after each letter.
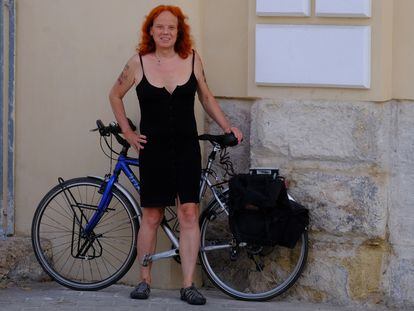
x: 226, y: 163
x: 103, y: 150
x: 111, y: 160
x: 112, y: 151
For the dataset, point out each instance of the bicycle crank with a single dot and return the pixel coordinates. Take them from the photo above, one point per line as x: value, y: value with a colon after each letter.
x: 148, y: 258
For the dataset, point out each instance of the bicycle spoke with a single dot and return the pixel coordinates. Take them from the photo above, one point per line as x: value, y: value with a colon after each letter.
x: 106, y: 267
x: 90, y: 269
x: 79, y: 271
x: 63, y: 208
x: 58, y: 228
x: 109, y: 263
x: 67, y: 259
x: 72, y: 213
x: 118, y: 240
x: 93, y: 196
x: 117, y: 222
x: 70, y: 217
x: 80, y: 196
x: 99, y: 270
x: 58, y: 223
x: 127, y: 223
x: 83, y: 271
x: 105, y: 216
x: 113, y: 256
x: 57, y: 231
x: 59, y: 245
x: 125, y: 253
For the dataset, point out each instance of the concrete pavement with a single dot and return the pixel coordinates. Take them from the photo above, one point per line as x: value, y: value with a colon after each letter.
x: 51, y: 296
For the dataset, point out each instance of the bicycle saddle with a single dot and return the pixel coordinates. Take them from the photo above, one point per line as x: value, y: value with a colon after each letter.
x: 225, y: 140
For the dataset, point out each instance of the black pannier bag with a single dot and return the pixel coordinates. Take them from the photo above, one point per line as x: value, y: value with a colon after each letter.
x: 261, y: 213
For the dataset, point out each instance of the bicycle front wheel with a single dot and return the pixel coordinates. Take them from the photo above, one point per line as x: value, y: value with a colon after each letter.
x: 244, y: 271
x: 77, y: 261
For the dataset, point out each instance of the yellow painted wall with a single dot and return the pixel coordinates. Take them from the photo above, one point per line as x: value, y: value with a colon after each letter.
x: 225, y: 46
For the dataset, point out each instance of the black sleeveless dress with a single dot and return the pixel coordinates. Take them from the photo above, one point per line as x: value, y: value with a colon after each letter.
x: 170, y: 163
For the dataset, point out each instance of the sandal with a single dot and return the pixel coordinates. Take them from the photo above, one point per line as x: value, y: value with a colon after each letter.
x: 192, y: 296
x: 142, y: 291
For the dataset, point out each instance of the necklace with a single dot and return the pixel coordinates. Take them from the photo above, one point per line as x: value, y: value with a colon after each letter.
x: 166, y: 58
x: 158, y: 59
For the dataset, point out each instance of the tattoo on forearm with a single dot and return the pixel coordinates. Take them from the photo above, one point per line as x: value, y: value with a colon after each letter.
x: 124, y: 75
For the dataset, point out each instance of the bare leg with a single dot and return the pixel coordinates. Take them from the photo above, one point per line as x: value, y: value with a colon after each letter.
x: 147, y: 237
x: 189, y: 240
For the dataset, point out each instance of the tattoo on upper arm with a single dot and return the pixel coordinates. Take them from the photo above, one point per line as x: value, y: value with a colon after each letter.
x: 124, y: 75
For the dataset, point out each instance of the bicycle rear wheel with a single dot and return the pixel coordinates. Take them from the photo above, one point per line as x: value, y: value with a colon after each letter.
x: 84, y: 262
x: 247, y: 272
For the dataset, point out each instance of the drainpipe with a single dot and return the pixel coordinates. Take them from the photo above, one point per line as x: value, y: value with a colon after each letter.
x: 7, y: 210
x: 10, y: 118
x: 3, y: 213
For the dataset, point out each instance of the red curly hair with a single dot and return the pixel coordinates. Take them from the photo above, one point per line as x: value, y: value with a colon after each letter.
x: 183, y: 45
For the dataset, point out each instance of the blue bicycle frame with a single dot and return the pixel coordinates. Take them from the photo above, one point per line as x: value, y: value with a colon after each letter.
x: 122, y: 165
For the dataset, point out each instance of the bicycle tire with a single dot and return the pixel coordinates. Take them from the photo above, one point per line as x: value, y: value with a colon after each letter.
x: 57, y: 238
x: 242, y: 278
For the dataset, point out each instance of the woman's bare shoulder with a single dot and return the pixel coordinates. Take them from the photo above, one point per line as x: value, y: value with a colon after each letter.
x: 196, y: 55
x: 135, y: 60
x: 198, y: 66
x: 135, y: 64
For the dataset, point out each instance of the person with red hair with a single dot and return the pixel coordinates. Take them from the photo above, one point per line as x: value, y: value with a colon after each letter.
x: 166, y: 73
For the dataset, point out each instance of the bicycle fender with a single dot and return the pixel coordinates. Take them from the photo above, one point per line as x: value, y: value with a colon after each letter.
x: 128, y: 195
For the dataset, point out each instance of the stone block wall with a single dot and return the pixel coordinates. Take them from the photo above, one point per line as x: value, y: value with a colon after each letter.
x: 18, y: 262
x: 400, y: 272
x: 352, y: 165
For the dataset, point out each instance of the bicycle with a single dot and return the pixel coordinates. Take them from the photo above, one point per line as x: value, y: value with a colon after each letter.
x: 84, y: 232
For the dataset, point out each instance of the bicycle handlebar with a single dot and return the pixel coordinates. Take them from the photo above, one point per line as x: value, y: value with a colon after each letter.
x: 225, y: 140
x: 112, y: 128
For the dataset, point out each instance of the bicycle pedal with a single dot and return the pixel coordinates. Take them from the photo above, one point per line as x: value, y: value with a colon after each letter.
x: 146, y: 260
